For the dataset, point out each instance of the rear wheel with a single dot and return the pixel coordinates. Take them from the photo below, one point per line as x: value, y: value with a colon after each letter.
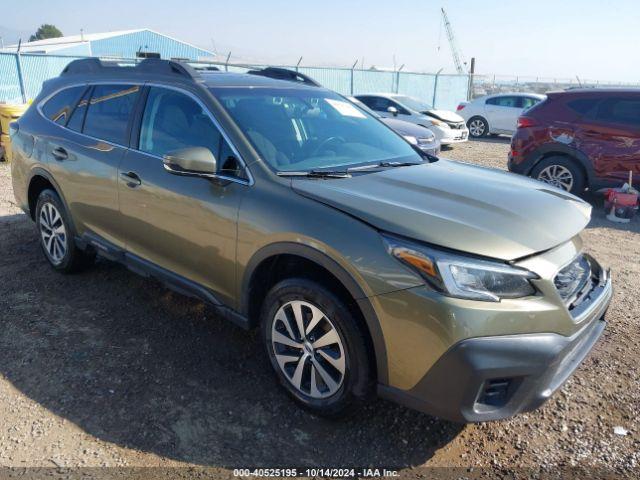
x: 478, y: 127
x: 56, y: 235
x: 561, y: 172
x: 316, y: 347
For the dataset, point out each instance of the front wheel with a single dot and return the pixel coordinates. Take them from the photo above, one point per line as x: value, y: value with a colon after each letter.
x: 478, y: 127
x: 316, y: 347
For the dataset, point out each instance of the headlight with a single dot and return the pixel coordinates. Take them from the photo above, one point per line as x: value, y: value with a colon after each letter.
x: 439, y: 123
x: 411, y: 139
x: 426, y: 140
x: 462, y: 276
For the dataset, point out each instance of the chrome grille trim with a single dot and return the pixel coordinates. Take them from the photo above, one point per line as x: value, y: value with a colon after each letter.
x: 592, y: 298
x: 575, y: 280
x: 598, y: 301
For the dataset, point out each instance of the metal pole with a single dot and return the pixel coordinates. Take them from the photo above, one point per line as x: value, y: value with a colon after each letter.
x: 298, y: 64
x: 23, y: 90
x: 226, y: 64
x: 472, y: 71
x: 398, y: 77
x: 435, y: 88
x: 352, y: 69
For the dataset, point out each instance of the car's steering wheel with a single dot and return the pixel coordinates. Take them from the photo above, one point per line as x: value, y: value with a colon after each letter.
x: 327, y: 142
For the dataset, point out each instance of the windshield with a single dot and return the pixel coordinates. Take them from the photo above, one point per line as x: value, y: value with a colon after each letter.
x: 413, y: 103
x: 310, y: 129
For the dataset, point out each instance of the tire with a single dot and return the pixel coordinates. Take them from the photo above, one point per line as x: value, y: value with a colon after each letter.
x: 561, y: 172
x: 337, y: 396
x: 57, y: 236
x: 478, y: 127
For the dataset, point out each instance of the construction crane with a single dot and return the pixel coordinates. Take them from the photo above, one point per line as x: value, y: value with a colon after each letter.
x: 458, y: 59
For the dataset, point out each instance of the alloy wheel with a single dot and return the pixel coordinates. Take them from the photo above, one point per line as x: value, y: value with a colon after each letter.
x: 477, y: 127
x: 308, y: 349
x: 53, y: 233
x: 558, y: 176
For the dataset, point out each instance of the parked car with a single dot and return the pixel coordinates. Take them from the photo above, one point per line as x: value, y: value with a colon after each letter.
x: 448, y: 127
x: 582, y: 138
x: 415, y: 134
x: 368, y: 266
x: 496, y: 114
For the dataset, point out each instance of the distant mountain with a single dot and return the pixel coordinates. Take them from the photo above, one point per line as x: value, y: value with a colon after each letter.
x: 11, y: 35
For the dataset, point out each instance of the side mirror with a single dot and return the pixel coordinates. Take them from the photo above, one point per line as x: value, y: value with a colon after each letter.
x: 194, y: 161
x: 392, y: 110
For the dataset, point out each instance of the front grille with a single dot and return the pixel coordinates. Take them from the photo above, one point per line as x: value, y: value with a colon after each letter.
x: 456, y: 126
x: 575, y: 281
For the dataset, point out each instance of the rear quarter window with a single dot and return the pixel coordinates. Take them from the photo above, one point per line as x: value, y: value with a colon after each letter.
x: 58, y: 108
x: 528, y: 102
x: 77, y: 117
x: 624, y: 111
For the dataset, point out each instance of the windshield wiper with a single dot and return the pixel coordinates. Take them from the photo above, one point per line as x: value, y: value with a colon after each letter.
x: 317, y: 174
x: 383, y: 165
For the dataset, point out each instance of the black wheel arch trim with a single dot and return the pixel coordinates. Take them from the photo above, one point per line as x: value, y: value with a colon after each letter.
x: 333, y: 267
x: 551, y: 149
x: 41, y: 172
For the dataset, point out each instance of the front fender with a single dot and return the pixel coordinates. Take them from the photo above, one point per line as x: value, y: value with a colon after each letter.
x: 332, y: 266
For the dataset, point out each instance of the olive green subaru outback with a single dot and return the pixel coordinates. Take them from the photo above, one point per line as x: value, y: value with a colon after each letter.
x: 369, y: 266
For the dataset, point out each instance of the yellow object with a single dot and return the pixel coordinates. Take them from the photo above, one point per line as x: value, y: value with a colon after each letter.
x: 8, y: 114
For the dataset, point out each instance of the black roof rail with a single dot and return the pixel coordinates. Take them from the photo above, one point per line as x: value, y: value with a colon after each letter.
x: 148, y: 65
x: 285, y: 74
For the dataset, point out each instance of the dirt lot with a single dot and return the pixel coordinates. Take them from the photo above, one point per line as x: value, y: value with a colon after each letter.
x: 107, y: 369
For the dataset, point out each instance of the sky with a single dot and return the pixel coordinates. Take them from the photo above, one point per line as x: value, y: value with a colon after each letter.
x: 593, y: 39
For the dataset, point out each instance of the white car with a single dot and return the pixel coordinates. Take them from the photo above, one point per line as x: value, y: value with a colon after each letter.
x: 495, y: 114
x: 447, y: 126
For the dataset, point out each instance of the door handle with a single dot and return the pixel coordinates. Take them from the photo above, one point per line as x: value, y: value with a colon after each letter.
x: 131, y: 178
x: 59, y: 153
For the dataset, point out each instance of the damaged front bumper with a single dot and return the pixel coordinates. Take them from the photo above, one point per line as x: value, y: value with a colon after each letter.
x: 495, y: 377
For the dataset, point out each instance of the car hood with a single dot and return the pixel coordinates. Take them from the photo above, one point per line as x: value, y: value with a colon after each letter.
x: 445, y: 115
x: 407, y: 128
x: 459, y: 206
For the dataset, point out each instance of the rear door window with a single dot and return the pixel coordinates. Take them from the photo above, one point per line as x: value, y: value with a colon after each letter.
x: 58, y: 108
x: 507, y: 101
x: 624, y: 111
x: 109, y: 112
x: 583, y: 106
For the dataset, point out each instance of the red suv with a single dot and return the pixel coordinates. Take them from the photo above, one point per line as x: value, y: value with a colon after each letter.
x: 577, y: 139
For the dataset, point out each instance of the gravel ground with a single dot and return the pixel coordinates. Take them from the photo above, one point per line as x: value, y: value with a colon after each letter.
x: 105, y: 368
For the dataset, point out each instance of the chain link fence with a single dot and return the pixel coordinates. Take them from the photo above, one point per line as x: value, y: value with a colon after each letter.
x: 491, y: 84
x: 21, y: 77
